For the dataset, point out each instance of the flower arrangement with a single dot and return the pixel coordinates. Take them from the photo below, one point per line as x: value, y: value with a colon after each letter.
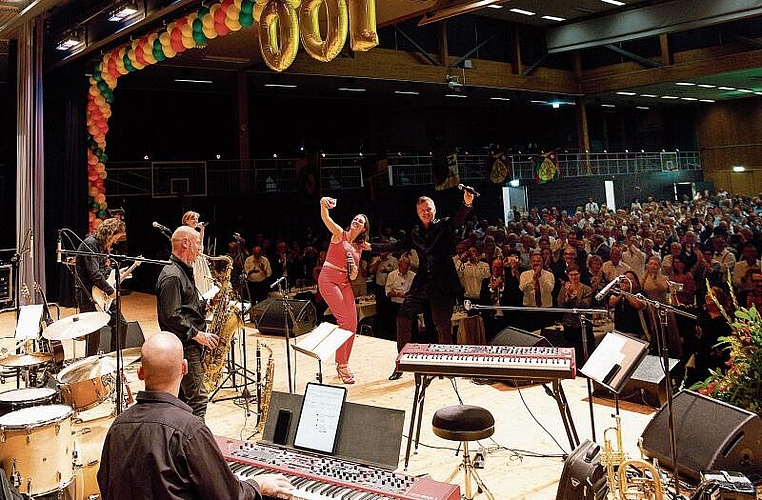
x: 741, y: 383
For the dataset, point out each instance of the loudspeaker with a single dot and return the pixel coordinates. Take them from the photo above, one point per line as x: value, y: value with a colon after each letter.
x: 709, y: 434
x: 647, y: 385
x: 583, y: 477
x: 269, y: 316
x: 134, y: 338
x: 518, y: 337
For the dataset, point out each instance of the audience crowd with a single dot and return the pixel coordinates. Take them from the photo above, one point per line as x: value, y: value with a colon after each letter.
x: 548, y: 257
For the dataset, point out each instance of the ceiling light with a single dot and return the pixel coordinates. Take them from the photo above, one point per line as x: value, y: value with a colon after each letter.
x: 406, y: 92
x: 745, y: 91
x: 500, y: 98
x: 706, y: 100
x: 553, y: 18
x: 706, y: 86
x: 123, y: 11
x: 281, y: 85
x: 351, y: 89
x: 523, y: 12
x: 648, y: 95
x: 626, y: 93
x: 613, y: 2
x: 539, y: 102
x: 190, y: 80
x: 455, y: 95
x: 689, y: 99
x: 739, y: 168
x: 70, y: 40
x: 726, y: 88
x: 642, y: 107
x: 455, y: 10
x: 608, y: 106
x: 758, y: 93
x: 669, y: 97
x: 685, y: 84
x: 495, y: 6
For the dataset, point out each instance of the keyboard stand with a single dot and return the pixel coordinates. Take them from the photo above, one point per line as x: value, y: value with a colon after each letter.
x: 422, y: 382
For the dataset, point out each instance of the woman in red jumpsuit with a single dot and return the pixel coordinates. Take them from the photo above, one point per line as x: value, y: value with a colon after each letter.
x: 338, y: 270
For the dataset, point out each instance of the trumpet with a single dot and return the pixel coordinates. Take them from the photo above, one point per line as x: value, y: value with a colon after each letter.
x: 644, y: 482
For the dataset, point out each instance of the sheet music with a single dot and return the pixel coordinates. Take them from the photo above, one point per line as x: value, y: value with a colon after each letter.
x: 323, y: 341
x: 209, y: 294
x: 613, y: 361
x: 28, y: 325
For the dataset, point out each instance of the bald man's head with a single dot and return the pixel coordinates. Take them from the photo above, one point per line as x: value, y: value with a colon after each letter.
x: 162, y: 364
x: 186, y: 243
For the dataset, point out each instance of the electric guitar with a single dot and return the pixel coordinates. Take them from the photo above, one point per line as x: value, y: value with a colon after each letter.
x: 100, y: 297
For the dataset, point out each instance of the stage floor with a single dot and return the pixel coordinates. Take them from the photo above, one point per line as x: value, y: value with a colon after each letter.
x: 523, y: 458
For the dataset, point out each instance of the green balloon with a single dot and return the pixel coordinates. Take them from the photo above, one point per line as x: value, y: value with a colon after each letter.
x: 103, y: 157
x: 247, y: 7
x: 101, y: 213
x: 246, y: 20
x: 199, y: 38
x: 102, y: 86
x: 109, y: 98
x: 93, y: 205
x: 97, y: 76
x: 97, y: 151
x: 203, y: 11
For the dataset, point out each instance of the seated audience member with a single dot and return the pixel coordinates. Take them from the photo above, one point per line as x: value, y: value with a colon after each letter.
x: 159, y: 449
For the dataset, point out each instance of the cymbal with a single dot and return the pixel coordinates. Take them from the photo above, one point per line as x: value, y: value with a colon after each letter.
x: 77, y: 325
x: 129, y: 355
x: 24, y: 360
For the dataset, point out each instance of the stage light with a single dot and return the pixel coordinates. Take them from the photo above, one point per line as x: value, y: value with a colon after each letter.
x: 123, y: 11
x: 70, y: 40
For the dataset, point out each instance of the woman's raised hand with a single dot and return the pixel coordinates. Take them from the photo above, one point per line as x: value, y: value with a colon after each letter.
x: 327, y: 202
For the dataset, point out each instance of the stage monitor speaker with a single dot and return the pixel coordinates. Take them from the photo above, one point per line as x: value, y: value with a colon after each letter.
x: 269, y: 316
x: 647, y: 385
x: 134, y: 338
x: 709, y: 435
x: 583, y: 477
x: 518, y: 337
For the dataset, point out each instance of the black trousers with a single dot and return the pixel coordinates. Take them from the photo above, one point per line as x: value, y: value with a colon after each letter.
x: 416, y: 302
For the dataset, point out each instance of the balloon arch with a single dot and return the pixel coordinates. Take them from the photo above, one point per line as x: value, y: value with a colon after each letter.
x: 280, y: 24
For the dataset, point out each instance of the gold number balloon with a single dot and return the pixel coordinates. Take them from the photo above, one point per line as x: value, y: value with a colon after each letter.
x: 336, y: 28
x: 279, y: 34
x: 362, y: 21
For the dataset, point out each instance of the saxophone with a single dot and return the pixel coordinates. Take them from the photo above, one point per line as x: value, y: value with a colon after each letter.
x: 644, y: 482
x: 264, y: 390
x: 225, y: 322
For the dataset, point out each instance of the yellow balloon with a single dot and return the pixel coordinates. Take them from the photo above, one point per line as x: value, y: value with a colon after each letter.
x: 187, y: 30
x: 233, y: 12
x: 188, y: 42
x: 279, y: 34
x: 233, y: 24
x: 208, y: 20
x: 336, y: 31
x: 258, y: 8
x: 237, y: 3
x: 164, y: 39
x: 94, y: 91
x: 169, y: 52
x: 209, y: 32
x: 363, y: 34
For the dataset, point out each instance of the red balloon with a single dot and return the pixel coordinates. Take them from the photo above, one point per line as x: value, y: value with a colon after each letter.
x: 221, y: 28
x: 176, y: 40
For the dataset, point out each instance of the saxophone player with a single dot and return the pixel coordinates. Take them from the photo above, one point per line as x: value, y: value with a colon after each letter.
x: 181, y: 311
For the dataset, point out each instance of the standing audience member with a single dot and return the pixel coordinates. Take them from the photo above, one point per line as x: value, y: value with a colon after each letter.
x: 748, y: 259
x: 576, y: 295
x: 159, y: 449
x: 615, y: 267
x: 182, y: 312
x: 398, y: 283
x: 537, y: 286
x: 474, y: 271
x: 258, y: 271
x: 339, y: 268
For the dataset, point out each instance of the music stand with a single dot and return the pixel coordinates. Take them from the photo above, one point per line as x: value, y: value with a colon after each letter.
x: 613, y: 362
x: 321, y: 343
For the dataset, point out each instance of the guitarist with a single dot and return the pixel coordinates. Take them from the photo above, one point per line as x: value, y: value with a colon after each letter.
x: 93, y: 271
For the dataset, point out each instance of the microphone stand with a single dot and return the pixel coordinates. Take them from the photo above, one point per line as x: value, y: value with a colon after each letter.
x: 582, y: 318
x: 117, y: 286
x: 288, y: 311
x: 663, y: 310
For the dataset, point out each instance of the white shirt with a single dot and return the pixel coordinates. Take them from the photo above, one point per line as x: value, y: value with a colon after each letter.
x: 396, y: 282
x: 547, y: 282
x: 471, y: 278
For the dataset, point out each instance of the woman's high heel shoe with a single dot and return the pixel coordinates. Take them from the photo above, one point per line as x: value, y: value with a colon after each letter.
x: 345, y: 374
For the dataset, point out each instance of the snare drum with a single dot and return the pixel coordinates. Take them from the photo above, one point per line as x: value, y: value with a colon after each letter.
x: 16, y: 399
x: 83, y: 385
x: 36, y: 448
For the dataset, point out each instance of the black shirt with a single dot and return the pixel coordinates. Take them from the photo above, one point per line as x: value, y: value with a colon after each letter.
x: 157, y: 449
x: 180, y: 308
x: 92, y: 271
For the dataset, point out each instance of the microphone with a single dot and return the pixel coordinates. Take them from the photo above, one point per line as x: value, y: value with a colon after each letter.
x: 237, y: 236
x: 278, y: 282
x: 606, y: 289
x: 468, y: 189
x: 160, y: 227
x: 31, y: 247
x: 350, y: 264
x: 58, y: 248
x: 203, y: 224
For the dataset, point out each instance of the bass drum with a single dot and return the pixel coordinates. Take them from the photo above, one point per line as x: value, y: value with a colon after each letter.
x: 38, y: 448
x: 16, y: 399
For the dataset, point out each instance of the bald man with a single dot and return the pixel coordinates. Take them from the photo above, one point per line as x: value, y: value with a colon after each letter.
x: 181, y: 311
x: 158, y: 449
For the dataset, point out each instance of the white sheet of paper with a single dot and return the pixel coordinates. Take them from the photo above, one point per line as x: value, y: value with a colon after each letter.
x: 28, y: 325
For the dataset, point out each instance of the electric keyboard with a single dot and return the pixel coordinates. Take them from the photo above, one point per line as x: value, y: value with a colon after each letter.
x: 495, y: 361
x: 322, y: 477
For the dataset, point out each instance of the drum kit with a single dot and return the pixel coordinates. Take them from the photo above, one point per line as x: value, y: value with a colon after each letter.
x: 38, y: 448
